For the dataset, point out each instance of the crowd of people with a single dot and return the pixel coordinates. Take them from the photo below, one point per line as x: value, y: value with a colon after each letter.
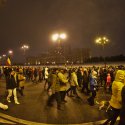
x: 61, y: 82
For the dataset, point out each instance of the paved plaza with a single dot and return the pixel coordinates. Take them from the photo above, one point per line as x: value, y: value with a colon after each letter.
x: 34, y: 111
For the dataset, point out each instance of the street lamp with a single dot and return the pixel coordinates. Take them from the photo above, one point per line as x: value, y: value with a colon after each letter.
x: 58, y: 37
x: 102, y: 41
x: 24, y: 48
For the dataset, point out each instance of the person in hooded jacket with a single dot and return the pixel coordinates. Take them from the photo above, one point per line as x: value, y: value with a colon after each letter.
x: 93, y: 85
x: 115, y: 101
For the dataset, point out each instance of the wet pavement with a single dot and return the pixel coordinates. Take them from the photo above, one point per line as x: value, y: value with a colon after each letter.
x: 33, y: 107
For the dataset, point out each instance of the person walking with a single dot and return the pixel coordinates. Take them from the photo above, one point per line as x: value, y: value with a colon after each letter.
x: 55, y: 87
x: 93, y: 85
x: 21, y: 81
x: 63, y: 85
x: 115, y: 101
x: 11, y: 87
x: 73, y: 84
x: 85, y: 83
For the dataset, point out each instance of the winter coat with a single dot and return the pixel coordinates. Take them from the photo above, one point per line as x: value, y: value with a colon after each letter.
x: 63, y: 81
x: 73, y: 79
x: 117, y: 86
x: 79, y: 74
x: 93, y: 83
x: 85, y: 78
x: 46, y: 73
x: 55, y: 85
x: 21, y: 80
x: 11, y: 82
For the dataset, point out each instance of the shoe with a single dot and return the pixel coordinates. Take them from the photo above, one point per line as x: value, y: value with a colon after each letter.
x: 17, y: 103
x: 8, y: 100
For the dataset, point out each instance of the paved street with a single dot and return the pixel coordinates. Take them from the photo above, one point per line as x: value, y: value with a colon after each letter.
x: 33, y: 109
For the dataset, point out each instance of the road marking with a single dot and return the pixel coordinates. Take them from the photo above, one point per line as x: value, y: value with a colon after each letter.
x: 17, y: 120
x: 6, y: 121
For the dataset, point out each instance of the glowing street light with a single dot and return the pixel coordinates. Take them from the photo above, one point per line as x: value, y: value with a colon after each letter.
x: 102, y: 41
x: 24, y: 48
x: 10, y: 52
x: 4, y: 55
x: 58, y: 36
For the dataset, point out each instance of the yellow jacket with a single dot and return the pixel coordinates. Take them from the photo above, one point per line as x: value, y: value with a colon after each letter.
x: 73, y: 80
x: 55, y: 83
x: 63, y: 79
x: 117, y: 86
x: 21, y: 79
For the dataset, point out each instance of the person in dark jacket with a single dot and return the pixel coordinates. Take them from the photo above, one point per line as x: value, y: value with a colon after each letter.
x: 80, y: 76
x: 122, y: 112
x: 85, y: 82
x: 11, y: 86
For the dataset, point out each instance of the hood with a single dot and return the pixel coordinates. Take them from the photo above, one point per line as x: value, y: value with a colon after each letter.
x: 120, y: 76
x: 94, y: 74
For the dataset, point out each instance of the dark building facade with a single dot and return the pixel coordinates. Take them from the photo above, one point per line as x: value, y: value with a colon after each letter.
x: 63, y: 55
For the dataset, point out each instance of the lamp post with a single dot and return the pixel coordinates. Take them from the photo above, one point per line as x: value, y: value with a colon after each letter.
x: 24, y: 48
x: 102, y: 41
x: 58, y: 37
x: 10, y: 54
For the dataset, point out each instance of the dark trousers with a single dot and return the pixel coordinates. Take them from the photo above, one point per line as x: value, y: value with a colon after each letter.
x: 73, y: 90
x: 20, y: 90
x: 56, y: 97
x: 122, y: 116
x: 85, y: 86
x: 79, y: 81
x: 63, y: 95
x: 112, y: 120
x: 91, y: 99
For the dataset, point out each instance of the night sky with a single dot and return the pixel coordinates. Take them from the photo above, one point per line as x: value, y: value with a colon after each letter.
x: 34, y: 21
